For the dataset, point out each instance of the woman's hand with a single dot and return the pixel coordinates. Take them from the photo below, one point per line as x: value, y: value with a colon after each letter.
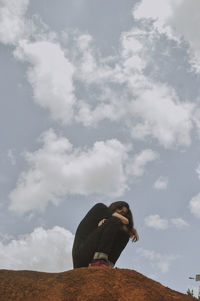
x: 134, y: 235
x: 101, y: 222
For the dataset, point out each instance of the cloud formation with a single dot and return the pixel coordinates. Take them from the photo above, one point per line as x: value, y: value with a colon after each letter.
x: 162, y: 116
x: 178, y: 19
x: 51, y: 77
x: 137, y: 165
x: 161, y: 183
x: 58, y: 169
x: 194, y: 205
x: 148, y: 109
x: 158, y: 223
x: 159, y: 261
x: 115, y: 87
x: 42, y: 250
x: 179, y: 223
x: 13, y: 25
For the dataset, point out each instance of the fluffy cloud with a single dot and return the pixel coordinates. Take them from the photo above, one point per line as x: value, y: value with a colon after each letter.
x: 113, y: 77
x: 57, y: 169
x: 101, y: 76
x: 154, y: 221
x: 51, y: 77
x: 115, y: 88
x: 12, y: 22
x: 162, y: 116
x: 161, y: 183
x: 154, y: 109
x: 137, y: 166
x: 111, y: 110
x: 41, y: 250
x: 86, y: 62
x: 132, y: 53
x: 149, y: 109
x: 194, y: 205
x: 178, y: 18
x: 159, y: 261
x: 159, y: 11
x: 179, y: 223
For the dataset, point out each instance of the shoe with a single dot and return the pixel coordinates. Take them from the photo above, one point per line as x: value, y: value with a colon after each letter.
x: 99, y: 263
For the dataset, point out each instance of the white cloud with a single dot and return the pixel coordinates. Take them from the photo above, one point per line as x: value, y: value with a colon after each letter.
x: 111, y: 110
x: 115, y: 87
x: 156, y: 222
x: 137, y: 165
x: 176, y: 18
x: 179, y: 223
x: 153, y: 10
x: 114, y: 77
x: 98, y: 74
x: 154, y: 110
x: 91, y: 67
x: 163, y: 117
x: 159, y: 261
x: 57, y: 169
x: 158, y: 11
x: 194, y: 205
x: 132, y: 51
x: 148, y: 109
x: 87, y: 63
x: 51, y: 77
x: 12, y: 20
x: 161, y: 183
x: 42, y: 250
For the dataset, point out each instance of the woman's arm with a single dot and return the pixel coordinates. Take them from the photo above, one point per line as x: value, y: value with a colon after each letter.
x: 124, y: 220
x: 132, y: 234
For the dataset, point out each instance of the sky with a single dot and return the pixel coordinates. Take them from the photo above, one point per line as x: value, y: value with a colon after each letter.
x: 99, y: 103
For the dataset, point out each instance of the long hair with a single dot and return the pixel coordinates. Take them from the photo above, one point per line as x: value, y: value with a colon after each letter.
x: 119, y: 205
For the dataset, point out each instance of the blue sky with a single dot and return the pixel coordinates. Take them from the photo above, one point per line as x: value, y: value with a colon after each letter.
x: 100, y: 102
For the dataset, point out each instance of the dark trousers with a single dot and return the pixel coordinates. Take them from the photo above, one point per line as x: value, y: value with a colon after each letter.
x: 109, y: 238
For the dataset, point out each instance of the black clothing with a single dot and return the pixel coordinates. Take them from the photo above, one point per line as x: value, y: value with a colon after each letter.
x: 89, y: 238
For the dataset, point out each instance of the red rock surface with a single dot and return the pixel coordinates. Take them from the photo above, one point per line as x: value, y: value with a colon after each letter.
x: 85, y: 284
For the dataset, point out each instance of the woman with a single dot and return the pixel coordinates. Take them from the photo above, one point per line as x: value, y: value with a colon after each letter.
x: 102, y: 235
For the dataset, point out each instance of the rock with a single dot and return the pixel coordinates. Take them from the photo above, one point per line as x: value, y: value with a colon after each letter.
x: 84, y: 284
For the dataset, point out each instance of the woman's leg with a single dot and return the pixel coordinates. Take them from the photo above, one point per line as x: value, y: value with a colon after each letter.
x: 110, y: 230
x: 118, y: 246
x: 101, y: 240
